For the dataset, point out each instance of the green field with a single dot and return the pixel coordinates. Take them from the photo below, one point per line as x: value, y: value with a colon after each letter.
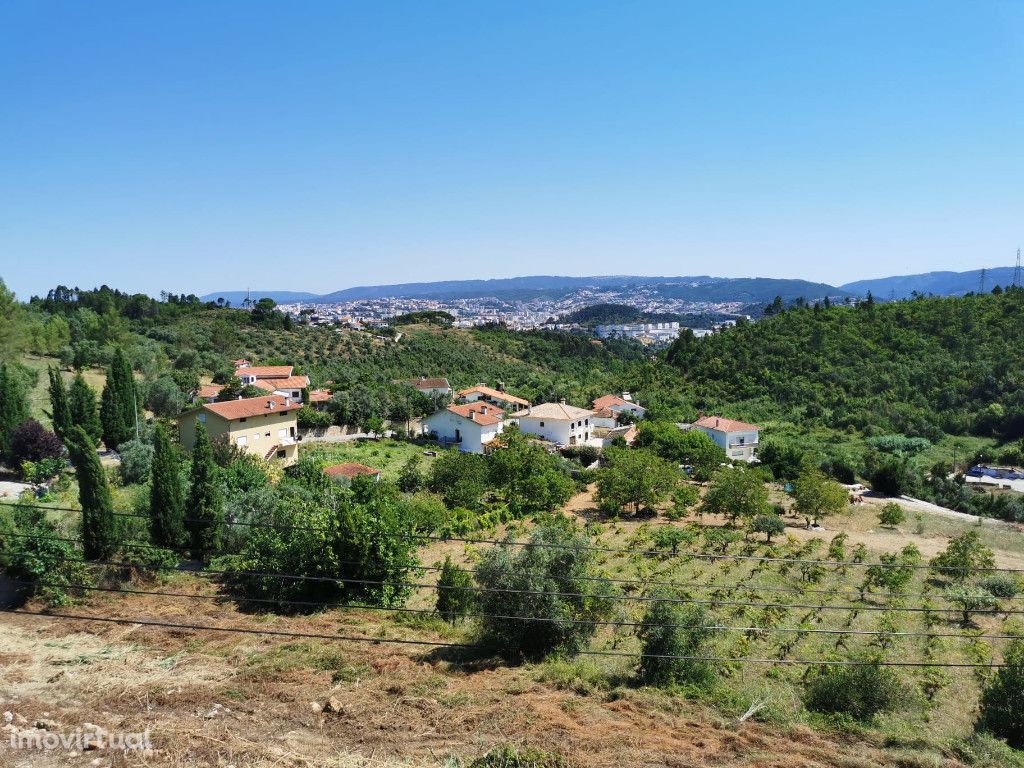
x: 386, y: 455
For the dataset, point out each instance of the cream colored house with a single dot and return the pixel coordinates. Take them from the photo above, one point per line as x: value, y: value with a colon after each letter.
x: 263, y: 426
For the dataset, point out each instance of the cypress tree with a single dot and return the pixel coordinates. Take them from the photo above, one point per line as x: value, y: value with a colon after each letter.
x: 166, y: 496
x: 60, y: 405
x: 13, y: 408
x: 204, y: 507
x: 83, y: 408
x: 119, y: 403
x: 98, y: 535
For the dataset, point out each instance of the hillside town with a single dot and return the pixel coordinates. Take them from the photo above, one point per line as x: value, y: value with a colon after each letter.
x: 532, y: 313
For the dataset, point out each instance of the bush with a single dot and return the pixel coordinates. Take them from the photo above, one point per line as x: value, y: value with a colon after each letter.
x: 860, y: 691
x: 33, y: 550
x: 455, y: 593
x: 41, y: 471
x: 672, y: 629
x: 1002, y: 700
x: 136, y: 461
x: 891, y: 515
x: 551, y: 581
x: 999, y: 585
x: 31, y: 441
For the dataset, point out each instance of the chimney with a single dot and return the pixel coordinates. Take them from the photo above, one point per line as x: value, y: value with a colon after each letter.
x: 501, y: 386
x: 287, y: 401
x: 270, y: 403
x: 472, y: 415
x: 561, y: 401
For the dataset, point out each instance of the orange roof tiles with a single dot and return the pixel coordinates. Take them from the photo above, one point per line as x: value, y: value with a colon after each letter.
x: 724, y: 425
x: 250, y: 406
x: 210, y: 390
x: 494, y: 394
x: 481, y: 413
x: 266, y: 371
x: 319, y: 395
x: 608, y: 401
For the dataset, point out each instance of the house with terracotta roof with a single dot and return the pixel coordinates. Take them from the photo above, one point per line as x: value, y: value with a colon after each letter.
x: 498, y: 397
x: 319, y: 398
x: 349, y: 471
x: 469, y: 426
x: 557, y: 422
x: 623, y: 403
x: 263, y: 426
x: 208, y: 392
x: 431, y: 387
x: 276, y: 379
x: 738, y: 439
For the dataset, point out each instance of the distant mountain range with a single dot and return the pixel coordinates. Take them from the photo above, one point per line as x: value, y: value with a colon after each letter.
x: 748, y: 290
x: 937, y: 283
x: 695, y: 288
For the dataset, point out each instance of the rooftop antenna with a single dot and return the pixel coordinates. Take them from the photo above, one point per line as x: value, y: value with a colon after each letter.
x: 247, y: 302
x: 1016, y: 271
x: 981, y: 289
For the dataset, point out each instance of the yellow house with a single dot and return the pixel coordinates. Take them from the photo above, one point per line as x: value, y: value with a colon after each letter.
x: 262, y: 426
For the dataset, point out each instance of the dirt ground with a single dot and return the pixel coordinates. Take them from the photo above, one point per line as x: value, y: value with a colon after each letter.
x: 228, y: 699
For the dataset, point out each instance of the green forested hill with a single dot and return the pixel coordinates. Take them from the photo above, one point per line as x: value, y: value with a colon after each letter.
x: 919, y: 367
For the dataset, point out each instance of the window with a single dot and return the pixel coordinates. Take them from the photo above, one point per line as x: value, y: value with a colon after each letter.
x: 267, y: 434
x: 587, y: 422
x: 201, y: 418
x: 243, y: 419
x: 280, y: 454
x: 542, y: 423
x: 243, y: 440
x: 280, y: 433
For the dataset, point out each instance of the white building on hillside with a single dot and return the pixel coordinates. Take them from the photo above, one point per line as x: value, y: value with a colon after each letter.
x: 737, y: 438
x: 469, y: 427
x: 557, y: 422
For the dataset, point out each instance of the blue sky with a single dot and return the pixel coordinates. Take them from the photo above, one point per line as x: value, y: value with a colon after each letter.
x: 197, y: 146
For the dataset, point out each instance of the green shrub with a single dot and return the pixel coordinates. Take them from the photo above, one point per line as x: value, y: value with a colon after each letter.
x: 860, y: 691
x: 1002, y: 700
x: 551, y: 581
x: 136, y: 461
x: 1001, y: 586
x: 673, y: 629
x: 455, y: 593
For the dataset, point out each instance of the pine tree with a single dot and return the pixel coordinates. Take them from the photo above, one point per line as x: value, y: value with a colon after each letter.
x: 13, y: 408
x: 98, y: 536
x: 83, y: 408
x: 204, y: 507
x: 119, y: 402
x: 166, y: 496
x: 60, y: 405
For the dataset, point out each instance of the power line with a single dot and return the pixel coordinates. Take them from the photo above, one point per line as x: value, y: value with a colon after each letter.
x: 465, y: 646
x: 341, y: 580
x: 711, y: 557
x: 334, y: 605
x: 613, y: 580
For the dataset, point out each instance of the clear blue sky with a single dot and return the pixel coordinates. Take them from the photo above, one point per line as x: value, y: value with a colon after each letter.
x: 199, y: 146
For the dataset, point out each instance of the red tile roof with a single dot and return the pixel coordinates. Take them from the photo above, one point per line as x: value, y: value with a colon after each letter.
x: 608, y: 401
x: 350, y: 470
x: 319, y: 395
x: 266, y: 371
x: 481, y: 413
x: 724, y: 425
x: 210, y: 390
x: 494, y: 394
x: 249, y: 406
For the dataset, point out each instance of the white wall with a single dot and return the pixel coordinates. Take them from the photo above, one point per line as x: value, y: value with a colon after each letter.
x: 450, y: 426
x: 558, y: 431
x: 730, y: 442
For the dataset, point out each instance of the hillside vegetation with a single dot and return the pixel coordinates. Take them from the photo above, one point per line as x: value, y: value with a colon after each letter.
x: 921, y: 368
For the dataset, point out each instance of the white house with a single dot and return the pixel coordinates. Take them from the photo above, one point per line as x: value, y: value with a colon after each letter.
x: 431, y: 387
x: 608, y: 408
x: 557, y: 422
x: 470, y: 426
x: 737, y: 438
x: 498, y: 397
